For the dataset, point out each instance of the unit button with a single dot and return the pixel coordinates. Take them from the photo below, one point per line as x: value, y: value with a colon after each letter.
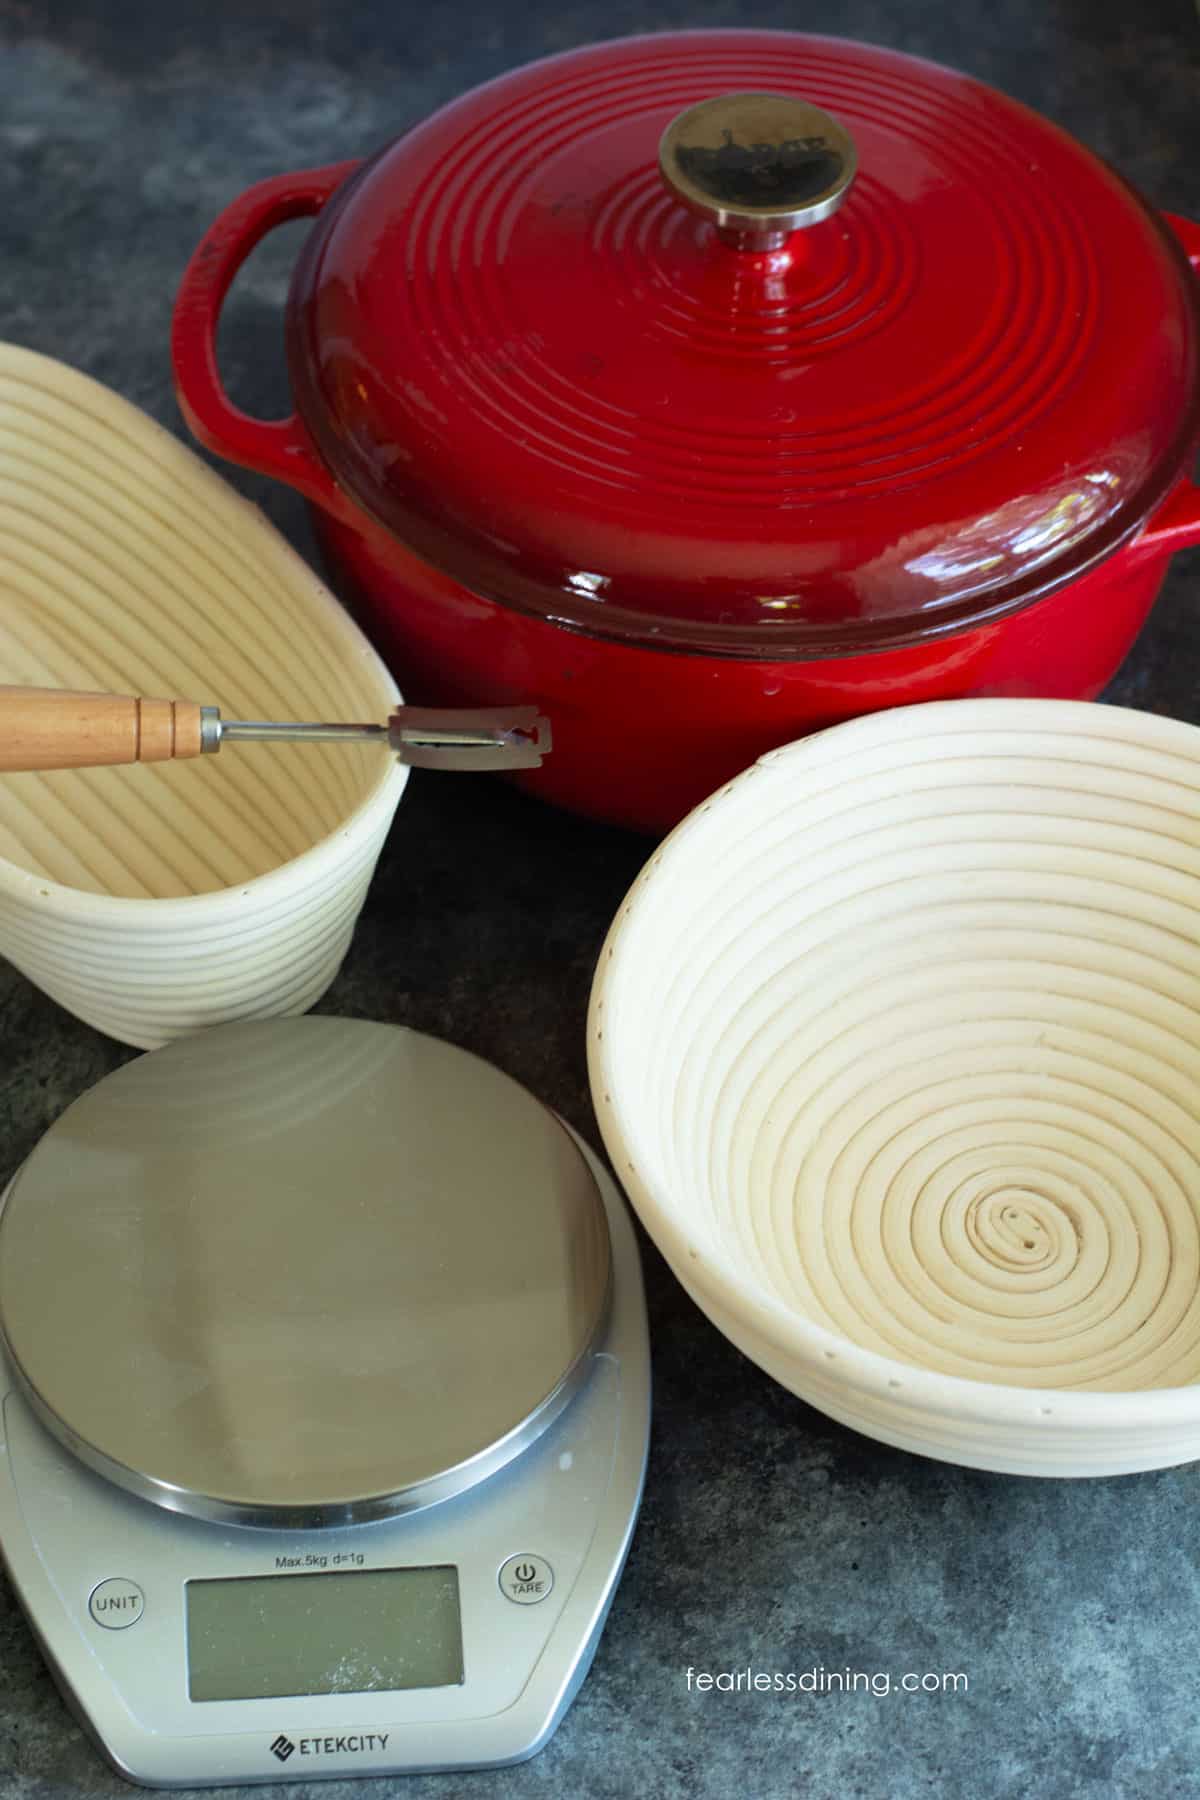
x: 526, y: 1579
x: 117, y: 1603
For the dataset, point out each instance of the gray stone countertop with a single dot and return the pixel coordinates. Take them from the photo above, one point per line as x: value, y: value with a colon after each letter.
x: 770, y: 1538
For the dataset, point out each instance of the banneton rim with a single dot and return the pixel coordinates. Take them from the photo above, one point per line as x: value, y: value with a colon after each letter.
x: 905, y: 1088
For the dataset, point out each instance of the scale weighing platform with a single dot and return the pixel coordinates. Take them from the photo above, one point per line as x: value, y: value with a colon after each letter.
x: 326, y: 1406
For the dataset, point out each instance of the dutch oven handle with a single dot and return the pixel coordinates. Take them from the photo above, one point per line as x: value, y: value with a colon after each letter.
x: 1177, y: 522
x: 276, y: 447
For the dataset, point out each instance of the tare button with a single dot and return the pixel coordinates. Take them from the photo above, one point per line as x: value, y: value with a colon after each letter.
x: 526, y: 1579
x: 117, y: 1603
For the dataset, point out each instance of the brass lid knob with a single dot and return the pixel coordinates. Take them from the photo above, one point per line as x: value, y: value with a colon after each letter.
x: 759, y: 165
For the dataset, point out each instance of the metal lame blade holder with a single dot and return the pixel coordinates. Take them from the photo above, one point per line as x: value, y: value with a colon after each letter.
x: 424, y: 737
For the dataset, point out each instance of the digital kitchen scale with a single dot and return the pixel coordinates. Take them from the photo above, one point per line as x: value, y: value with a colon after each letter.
x: 326, y: 1406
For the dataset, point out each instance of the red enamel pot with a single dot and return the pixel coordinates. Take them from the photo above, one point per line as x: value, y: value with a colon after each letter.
x: 712, y: 387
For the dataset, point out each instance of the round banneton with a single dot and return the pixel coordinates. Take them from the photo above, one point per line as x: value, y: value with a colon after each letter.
x: 897, y: 1042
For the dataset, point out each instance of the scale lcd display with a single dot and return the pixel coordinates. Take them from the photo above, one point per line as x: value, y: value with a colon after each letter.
x: 264, y: 1637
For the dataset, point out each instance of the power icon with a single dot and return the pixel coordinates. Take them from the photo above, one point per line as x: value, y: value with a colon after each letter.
x: 526, y: 1579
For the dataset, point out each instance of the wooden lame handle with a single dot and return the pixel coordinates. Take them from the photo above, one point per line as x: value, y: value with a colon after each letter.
x: 53, y: 728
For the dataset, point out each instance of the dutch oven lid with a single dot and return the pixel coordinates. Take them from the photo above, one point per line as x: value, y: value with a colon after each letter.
x: 809, y: 385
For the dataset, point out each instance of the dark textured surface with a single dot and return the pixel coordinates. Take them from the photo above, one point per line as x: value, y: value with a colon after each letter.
x: 770, y: 1537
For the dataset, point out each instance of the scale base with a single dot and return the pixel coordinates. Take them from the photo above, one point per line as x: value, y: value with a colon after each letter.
x: 569, y: 1502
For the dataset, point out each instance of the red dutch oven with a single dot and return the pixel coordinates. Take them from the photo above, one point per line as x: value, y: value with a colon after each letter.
x: 712, y: 387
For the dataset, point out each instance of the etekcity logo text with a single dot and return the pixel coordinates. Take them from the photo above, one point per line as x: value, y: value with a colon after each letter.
x: 350, y: 1744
